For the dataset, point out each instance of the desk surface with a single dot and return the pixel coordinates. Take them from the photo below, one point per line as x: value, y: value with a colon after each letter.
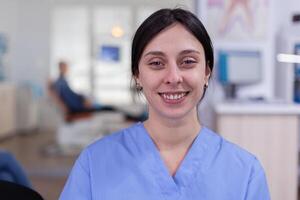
x: 249, y: 107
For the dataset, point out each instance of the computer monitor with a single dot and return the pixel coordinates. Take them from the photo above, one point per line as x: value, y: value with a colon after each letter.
x: 238, y: 68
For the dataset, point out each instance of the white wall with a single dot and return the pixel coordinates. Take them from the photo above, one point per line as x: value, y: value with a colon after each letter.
x: 26, y: 24
x: 8, y: 26
x: 32, y: 48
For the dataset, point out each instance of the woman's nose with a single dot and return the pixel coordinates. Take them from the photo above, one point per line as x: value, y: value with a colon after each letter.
x: 173, y: 76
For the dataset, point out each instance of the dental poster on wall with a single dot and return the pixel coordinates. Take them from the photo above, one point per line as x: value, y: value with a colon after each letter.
x: 238, y: 19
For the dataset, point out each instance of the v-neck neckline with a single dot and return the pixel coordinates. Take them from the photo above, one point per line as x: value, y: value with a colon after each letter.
x: 171, y: 186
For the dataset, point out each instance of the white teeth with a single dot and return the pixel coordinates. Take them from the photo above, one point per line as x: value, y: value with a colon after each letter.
x: 173, y: 96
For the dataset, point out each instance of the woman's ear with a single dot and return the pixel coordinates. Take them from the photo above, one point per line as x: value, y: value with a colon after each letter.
x: 136, y: 80
x: 207, y: 73
x: 138, y: 85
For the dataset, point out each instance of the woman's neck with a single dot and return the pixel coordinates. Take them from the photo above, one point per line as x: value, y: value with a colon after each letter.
x: 173, y: 139
x: 173, y: 133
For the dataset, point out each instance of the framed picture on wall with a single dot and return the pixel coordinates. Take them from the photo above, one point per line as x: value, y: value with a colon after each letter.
x: 109, y: 53
x: 237, y: 19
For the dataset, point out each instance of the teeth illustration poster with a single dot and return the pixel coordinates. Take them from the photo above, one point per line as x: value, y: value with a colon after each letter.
x: 238, y: 19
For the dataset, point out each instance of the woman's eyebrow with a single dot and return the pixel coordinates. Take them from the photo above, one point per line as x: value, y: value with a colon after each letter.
x: 187, y: 51
x: 154, y: 53
x: 160, y: 53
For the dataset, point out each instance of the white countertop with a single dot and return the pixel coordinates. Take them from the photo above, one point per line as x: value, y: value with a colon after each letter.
x: 252, y: 107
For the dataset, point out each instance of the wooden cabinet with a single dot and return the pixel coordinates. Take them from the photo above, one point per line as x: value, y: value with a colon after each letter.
x: 7, y: 109
x: 271, y: 133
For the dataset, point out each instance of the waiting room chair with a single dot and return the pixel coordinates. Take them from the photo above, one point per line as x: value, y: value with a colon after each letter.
x: 78, y: 130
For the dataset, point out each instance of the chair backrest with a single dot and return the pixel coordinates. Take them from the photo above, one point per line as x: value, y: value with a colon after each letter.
x: 13, y: 191
x: 56, y: 98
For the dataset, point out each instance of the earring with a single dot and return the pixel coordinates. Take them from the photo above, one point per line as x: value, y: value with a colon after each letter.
x: 206, y: 85
x: 138, y: 87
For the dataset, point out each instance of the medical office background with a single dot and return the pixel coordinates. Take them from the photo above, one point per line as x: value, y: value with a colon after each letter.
x: 94, y: 37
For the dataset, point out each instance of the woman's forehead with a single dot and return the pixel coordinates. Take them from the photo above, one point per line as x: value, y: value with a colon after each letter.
x: 175, y: 38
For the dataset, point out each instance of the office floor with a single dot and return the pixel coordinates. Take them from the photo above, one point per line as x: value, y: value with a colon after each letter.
x: 47, y: 172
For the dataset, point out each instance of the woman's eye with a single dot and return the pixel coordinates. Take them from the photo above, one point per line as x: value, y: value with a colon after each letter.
x: 157, y: 64
x: 188, y: 63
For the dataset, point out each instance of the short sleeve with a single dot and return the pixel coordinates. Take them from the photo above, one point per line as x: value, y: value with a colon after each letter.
x: 78, y: 186
x: 257, y: 186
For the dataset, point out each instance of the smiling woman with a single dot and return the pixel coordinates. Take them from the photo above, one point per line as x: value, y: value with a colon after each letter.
x: 170, y: 155
x: 173, y: 76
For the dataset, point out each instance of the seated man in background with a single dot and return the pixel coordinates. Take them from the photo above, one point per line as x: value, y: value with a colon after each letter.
x: 77, y: 103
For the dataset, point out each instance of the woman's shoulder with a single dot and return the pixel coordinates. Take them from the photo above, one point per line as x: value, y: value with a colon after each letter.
x: 113, y: 140
x: 229, y: 150
x: 232, y: 166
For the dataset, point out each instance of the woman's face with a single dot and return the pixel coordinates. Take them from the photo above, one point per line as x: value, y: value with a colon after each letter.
x: 172, y: 73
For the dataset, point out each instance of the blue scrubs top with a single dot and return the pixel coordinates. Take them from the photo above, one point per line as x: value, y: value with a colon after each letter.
x: 127, y: 165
